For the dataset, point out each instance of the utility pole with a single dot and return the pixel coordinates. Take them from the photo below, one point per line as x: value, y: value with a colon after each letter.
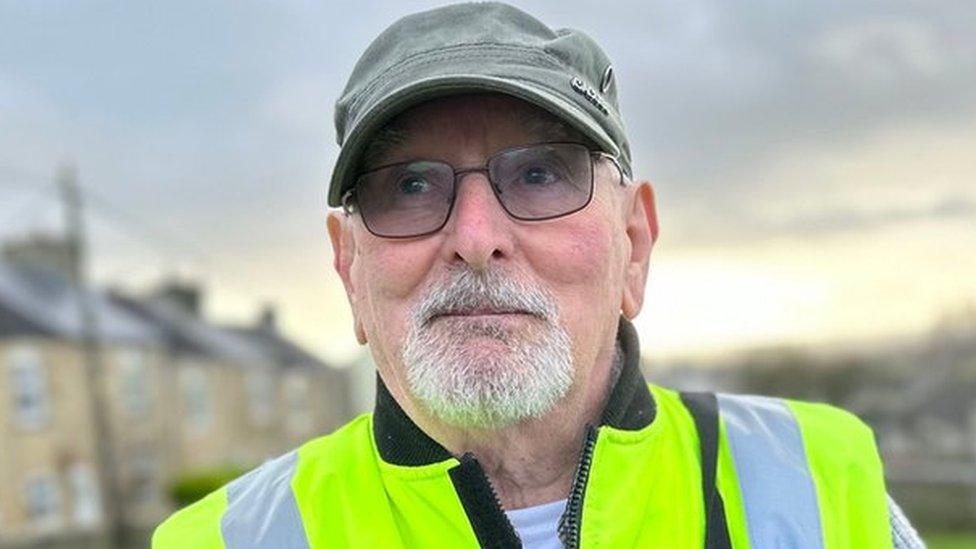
x: 91, y: 355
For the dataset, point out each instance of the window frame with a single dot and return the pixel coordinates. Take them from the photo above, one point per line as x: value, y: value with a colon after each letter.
x: 30, y: 392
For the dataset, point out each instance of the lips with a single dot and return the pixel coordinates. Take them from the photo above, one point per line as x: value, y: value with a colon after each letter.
x: 461, y: 313
x: 474, y: 312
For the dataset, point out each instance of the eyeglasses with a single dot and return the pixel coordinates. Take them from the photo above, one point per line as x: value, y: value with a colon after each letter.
x: 532, y: 183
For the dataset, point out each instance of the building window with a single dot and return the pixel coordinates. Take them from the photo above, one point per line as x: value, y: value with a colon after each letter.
x: 28, y: 384
x: 197, y: 398
x: 134, y: 377
x: 43, y: 502
x: 87, y: 504
x: 297, y: 403
x: 260, y: 390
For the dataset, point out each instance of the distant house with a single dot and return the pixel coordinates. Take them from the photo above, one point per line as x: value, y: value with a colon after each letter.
x: 181, y: 394
x: 314, y: 399
x: 49, y: 466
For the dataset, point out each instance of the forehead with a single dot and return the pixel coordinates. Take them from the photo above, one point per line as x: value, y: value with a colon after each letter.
x: 456, y: 121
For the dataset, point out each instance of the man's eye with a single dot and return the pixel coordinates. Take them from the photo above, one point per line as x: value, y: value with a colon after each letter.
x: 538, y: 176
x: 412, y: 184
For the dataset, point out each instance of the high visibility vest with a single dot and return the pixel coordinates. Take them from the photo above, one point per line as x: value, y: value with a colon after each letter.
x: 788, y: 474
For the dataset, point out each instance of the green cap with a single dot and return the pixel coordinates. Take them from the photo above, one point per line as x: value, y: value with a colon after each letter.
x: 477, y: 48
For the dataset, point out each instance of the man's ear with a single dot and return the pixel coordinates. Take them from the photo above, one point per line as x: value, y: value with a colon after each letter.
x: 343, y: 253
x: 642, y: 230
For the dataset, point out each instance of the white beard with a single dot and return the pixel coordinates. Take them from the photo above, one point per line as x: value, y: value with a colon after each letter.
x: 481, y: 373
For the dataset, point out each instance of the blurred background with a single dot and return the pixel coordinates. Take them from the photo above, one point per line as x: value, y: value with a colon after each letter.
x: 168, y: 313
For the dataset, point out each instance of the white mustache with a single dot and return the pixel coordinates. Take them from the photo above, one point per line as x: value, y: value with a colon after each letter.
x: 464, y: 290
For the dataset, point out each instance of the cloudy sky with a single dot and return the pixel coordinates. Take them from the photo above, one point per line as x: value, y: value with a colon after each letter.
x: 815, y: 162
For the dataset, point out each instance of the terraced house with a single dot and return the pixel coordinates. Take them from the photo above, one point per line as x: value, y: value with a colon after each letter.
x: 178, y: 394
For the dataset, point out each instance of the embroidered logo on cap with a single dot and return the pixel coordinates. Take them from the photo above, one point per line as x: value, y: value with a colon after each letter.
x: 587, y: 91
x: 607, y: 79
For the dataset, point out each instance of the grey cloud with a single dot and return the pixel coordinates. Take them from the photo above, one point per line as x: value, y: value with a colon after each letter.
x: 732, y: 226
x: 708, y: 109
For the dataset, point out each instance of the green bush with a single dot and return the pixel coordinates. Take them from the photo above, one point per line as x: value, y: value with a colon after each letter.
x: 192, y: 486
x: 951, y: 540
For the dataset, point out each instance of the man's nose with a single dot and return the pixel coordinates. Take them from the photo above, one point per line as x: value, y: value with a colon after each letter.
x: 479, y: 230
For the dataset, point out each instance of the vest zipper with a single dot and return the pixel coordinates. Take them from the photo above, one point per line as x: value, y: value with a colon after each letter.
x: 480, y: 501
x: 571, y: 521
x: 484, y: 510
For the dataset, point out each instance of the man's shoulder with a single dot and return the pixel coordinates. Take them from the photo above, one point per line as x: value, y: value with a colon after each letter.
x: 829, y: 436
x: 342, y: 447
x: 840, y: 433
x: 198, y: 524
x: 802, y: 410
x: 822, y: 418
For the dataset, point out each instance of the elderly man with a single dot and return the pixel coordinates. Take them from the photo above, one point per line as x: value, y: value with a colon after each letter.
x: 494, y: 245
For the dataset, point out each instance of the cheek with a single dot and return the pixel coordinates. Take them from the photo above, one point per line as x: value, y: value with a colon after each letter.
x: 394, y: 274
x: 391, y: 276
x: 579, y: 259
x: 582, y: 251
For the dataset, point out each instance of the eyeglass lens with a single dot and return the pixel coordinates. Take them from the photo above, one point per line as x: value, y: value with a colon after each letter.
x: 531, y: 183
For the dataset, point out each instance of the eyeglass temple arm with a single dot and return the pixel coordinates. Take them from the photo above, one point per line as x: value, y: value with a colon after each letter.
x: 616, y: 163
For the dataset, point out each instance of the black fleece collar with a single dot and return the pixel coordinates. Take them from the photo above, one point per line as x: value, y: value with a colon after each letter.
x: 629, y: 407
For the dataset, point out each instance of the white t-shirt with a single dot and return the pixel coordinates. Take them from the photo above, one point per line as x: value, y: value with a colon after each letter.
x: 537, y: 526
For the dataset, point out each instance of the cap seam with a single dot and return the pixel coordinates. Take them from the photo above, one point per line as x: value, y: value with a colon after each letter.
x: 430, y: 56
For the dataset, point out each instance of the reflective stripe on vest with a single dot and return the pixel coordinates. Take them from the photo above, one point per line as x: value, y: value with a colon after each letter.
x: 777, y: 487
x: 261, y: 509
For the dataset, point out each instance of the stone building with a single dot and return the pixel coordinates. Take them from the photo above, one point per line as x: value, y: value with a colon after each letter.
x: 179, y: 394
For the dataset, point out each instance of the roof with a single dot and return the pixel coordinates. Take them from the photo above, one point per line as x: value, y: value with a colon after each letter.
x: 187, y: 334
x: 15, y: 324
x: 45, y: 302
x: 283, y: 351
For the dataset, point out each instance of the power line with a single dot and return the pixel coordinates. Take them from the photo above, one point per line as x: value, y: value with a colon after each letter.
x: 144, y: 231
x: 132, y: 226
x: 168, y: 246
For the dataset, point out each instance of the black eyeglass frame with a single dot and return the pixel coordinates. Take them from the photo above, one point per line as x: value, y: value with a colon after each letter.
x: 349, y: 206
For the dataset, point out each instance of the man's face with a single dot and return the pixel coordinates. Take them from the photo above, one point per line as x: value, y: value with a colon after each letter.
x: 539, y: 301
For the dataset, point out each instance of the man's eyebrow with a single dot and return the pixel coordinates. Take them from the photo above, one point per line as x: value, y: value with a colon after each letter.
x: 385, y: 140
x: 545, y: 127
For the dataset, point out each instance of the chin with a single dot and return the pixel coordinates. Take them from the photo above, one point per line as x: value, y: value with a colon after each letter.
x: 486, y: 375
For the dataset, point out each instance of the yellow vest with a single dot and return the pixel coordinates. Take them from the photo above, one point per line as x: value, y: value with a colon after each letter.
x: 788, y: 474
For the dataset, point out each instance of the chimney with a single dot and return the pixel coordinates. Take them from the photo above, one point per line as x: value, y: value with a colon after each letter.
x: 268, y: 319
x: 182, y: 294
x: 43, y: 252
